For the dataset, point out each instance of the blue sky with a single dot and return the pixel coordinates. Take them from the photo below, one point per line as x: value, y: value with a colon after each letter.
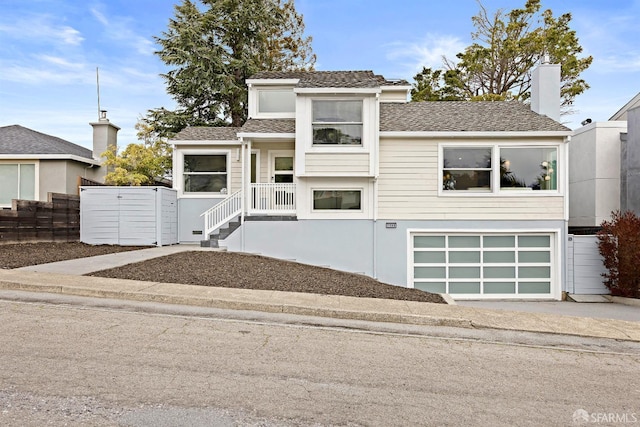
x: 49, y: 51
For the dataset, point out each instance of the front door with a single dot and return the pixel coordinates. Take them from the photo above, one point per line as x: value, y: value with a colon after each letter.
x: 282, y: 193
x: 281, y: 166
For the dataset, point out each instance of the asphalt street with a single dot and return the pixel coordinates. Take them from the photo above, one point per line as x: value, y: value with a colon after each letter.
x: 72, y: 362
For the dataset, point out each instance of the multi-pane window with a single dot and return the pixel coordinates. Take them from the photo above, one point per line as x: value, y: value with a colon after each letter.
x: 337, y: 199
x: 467, y: 169
x: 512, y: 168
x: 205, y: 173
x: 337, y: 122
x: 18, y: 182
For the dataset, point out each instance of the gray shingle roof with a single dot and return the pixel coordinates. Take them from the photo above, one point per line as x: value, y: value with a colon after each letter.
x: 204, y: 133
x: 16, y: 139
x: 269, y: 126
x: 455, y: 116
x: 320, y: 79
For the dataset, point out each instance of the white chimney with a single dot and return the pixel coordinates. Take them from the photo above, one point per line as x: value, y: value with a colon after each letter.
x: 104, y: 135
x: 545, y: 90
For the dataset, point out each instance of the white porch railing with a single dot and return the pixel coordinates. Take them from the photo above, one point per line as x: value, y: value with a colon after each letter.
x: 274, y: 199
x: 222, y: 213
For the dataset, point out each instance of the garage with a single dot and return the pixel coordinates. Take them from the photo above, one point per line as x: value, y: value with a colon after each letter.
x: 485, y: 265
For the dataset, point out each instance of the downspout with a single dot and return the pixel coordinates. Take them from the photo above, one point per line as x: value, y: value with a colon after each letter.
x: 374, y: 153
x: 565, y: 164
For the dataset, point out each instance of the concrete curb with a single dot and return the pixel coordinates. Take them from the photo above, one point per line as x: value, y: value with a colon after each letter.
x: 625, y: 301
x: 329, y: 306
x: 233, y: 304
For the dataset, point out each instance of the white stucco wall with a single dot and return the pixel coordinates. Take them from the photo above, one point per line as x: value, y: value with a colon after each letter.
x: 594, y: 173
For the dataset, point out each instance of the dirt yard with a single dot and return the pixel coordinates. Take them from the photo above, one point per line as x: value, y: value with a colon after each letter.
x: 224, y: 269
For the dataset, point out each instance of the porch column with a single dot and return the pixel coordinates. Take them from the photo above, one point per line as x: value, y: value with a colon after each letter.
x: 247, y: 189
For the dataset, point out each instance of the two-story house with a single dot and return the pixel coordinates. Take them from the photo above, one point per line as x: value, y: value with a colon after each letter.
x: 336, y: 168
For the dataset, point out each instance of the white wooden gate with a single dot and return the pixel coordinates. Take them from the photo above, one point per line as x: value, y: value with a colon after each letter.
x: 584, y: 266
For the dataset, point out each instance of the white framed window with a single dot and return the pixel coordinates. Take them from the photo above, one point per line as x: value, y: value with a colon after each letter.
x: 337, y: 200
x: 495, y: 169
x: 18, y: 182
x: 337, y: 122
x: 205, y: 173
x: 276, y: 101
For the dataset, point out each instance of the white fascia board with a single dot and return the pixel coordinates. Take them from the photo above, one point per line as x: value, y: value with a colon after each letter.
x: 206, y: 142
x: 282, y: 82
x: 73, y: 157
x: 258, y: 135
x: 456, y: 134
x: 340, y: 90
x: 398, y: 88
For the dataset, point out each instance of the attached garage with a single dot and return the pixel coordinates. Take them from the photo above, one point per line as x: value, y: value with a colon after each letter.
x: 128, y: 216
x: 485, y: 265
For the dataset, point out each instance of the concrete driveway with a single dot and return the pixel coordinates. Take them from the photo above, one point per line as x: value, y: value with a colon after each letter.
x: 603, y: 310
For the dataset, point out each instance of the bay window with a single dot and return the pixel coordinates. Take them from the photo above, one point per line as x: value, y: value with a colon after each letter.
x: 18, y: 182
x: 337, y: 122
x: 205, y: 173
x: 494, y: 169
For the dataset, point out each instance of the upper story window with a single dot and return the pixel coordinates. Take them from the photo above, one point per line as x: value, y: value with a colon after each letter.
x: 467, y: 169
x: 18, y: 182
x: 276, y: 101
x: 499, y: 168
x: 530, y: 168
x: 205, y: 173
x: 337, y: 122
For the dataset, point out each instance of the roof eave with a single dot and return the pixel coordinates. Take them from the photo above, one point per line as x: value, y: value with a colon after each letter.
x: 73, y: 157
x: 175, y: 142
x: 474, y: 134
x: 267, y: 135
x: 341, y: 90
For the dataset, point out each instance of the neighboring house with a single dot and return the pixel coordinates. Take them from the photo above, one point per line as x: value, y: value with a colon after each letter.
x: 33, y: 164
x: 338, y: 169
x: 604, y: 169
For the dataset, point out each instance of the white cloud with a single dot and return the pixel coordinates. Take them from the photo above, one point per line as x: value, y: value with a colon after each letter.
x: 428, y: 52
x: 40, y: 28
x: 61, y: 62
x: 121, y: 29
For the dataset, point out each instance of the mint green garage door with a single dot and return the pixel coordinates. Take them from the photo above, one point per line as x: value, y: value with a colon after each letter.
x: 484, y: 265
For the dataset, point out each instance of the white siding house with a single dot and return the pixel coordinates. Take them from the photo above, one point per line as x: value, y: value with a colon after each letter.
x: 337, y: 169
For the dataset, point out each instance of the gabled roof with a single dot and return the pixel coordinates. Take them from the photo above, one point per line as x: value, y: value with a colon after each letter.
x: 204, y: 133
x: 328, y: 79
x: 17, y: 140
x: 621, y: 114
x: 464, y: 116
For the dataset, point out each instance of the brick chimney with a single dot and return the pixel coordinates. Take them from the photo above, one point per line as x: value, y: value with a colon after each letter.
x: 545, y: 90
x: 104, y: 135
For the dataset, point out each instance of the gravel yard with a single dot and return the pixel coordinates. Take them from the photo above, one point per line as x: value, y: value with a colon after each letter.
x: 224, y: 269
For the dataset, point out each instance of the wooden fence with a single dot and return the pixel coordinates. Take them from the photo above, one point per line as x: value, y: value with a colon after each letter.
x: 58, y: 219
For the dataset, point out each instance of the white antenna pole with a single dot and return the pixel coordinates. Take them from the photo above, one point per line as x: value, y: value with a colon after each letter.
x: 98, y: 88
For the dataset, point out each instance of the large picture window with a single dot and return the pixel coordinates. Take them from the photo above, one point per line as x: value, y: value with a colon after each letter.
x: 337, y: 122
x: 499, y: 168
x: 18, y: 182
x: 205, y: 173
x: 337, y: 199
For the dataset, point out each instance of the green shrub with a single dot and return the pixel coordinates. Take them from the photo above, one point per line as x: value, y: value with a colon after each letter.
x: 619, y: 245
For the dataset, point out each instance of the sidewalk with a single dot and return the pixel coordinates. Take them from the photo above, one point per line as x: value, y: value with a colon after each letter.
x: 57, y: 278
